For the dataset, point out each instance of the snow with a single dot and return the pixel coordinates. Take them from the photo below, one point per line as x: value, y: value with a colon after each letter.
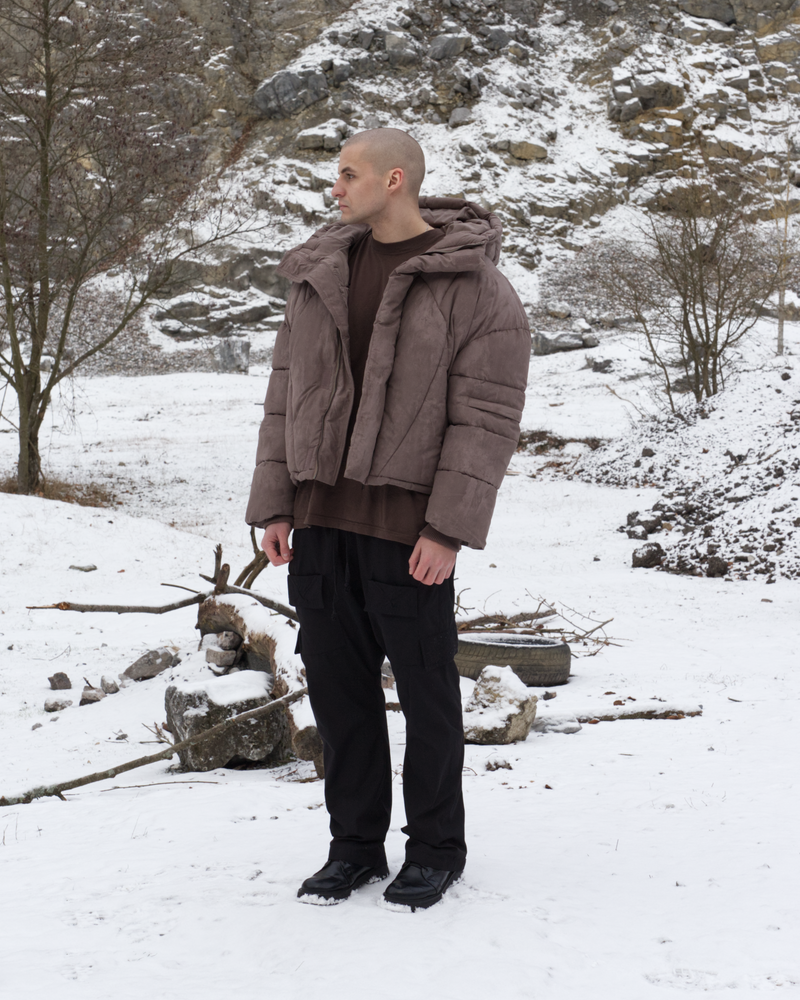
x: 631, y: 859
x: 661, y: 859
x: 229, y: 689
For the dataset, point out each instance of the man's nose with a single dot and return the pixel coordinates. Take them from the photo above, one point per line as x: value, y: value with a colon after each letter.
x: 336, y: 190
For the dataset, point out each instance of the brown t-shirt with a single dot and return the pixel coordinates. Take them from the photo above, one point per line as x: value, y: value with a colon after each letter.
x: 381, y: 511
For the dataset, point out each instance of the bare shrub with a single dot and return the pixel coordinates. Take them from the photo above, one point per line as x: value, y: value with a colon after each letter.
x: 692, y: 278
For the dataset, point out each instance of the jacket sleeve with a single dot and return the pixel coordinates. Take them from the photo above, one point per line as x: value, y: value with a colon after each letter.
x: 485, y: 398
x: 272, y: 490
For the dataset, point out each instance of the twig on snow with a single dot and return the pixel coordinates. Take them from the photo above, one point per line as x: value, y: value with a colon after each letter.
x: 64, y: 786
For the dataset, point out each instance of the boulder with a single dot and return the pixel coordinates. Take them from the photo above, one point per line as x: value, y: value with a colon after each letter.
x: 193, y: 707
x: 647, y: 556
x: 448, y: 46
x: 716, y: 567
x: 401, y: 49
x: 60, y: 682
x: 543, y: 345
x: 108, y: 684
x: 561, y: 723
x: 150, y: 664
x: 91, y: 695
x: 559, y: 310
x: 56, y: 702
x: 715, y: 10
x: 460, y: 116
x: 500, y: 709
x: 233, y: 355
x: 328, y: 135
x: 657, y: 90
x: 495, y: 38
x: 288, y: 92
x: 527, y: 149
x: 364, y: 37
x: 341, y: 70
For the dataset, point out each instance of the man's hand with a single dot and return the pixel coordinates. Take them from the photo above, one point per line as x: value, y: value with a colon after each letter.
x: 431, y: 562
x: 276, y: 543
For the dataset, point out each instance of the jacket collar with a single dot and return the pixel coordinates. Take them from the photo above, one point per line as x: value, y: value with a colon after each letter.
x: 471, y: 234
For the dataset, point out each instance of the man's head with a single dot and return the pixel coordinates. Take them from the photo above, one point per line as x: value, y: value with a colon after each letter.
x: 380, y: 173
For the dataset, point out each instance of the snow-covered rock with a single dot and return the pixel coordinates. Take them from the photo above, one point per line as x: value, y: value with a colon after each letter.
x: 193, y: 707
x: 500, y: 709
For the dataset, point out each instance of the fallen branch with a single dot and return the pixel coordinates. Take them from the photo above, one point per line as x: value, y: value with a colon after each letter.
x: 499, y: 622
x: 64, y: 786
x: 221, y: 586
x: 119, y: 609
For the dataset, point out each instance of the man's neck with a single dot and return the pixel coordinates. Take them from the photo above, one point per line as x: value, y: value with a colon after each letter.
x: 396, y: 230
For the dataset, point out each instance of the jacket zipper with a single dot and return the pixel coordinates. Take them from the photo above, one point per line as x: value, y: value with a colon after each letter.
x: 330, y: 400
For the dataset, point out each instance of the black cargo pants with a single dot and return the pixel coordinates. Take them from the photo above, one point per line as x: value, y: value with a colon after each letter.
x: 357, y: 603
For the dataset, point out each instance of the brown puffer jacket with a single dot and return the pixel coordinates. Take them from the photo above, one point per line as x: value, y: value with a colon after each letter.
x: 444, y: 384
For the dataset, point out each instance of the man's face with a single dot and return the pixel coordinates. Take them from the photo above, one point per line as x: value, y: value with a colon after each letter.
x: 362, y: 194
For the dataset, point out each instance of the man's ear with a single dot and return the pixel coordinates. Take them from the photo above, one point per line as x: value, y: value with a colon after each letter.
x: 395, y: 180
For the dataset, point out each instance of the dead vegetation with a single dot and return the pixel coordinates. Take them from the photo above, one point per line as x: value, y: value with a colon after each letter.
x: 83, y: 494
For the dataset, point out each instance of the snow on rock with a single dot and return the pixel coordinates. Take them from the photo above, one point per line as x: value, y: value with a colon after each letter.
x: 193, y: 707
x: 500, y: 709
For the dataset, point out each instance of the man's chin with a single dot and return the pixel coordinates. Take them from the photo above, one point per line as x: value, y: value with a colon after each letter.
x: 348, y: 215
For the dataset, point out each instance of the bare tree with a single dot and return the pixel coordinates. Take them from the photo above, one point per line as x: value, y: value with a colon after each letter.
x: 693, y: 279
x: 99, y: 175
x: 784, y: 204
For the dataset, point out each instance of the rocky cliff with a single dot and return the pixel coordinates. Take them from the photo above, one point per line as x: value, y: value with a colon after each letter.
x: 561, y: 117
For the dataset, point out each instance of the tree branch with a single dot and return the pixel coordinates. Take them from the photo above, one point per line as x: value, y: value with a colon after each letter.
x: 58, y: 789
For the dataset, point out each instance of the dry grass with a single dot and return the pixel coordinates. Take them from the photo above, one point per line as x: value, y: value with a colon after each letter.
x: 83, y: 494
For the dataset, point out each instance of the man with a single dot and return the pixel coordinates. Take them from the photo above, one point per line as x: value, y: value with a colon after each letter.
x: 391, y: 415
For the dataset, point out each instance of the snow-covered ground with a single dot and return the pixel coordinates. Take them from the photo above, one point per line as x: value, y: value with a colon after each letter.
x: 645, y: 859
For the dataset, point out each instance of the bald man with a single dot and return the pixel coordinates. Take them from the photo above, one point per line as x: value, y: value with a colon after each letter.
x: 391, y: 414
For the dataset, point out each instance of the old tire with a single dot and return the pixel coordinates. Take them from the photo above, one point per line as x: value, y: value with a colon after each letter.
x: 538, y: 662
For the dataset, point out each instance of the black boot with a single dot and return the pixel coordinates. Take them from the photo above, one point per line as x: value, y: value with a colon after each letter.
x: 419, y: 887
x: 336, y: 880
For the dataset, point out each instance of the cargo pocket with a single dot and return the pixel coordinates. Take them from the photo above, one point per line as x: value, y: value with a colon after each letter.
x: 389, y: 599
x: 306, y: 592
x: 438, y: 650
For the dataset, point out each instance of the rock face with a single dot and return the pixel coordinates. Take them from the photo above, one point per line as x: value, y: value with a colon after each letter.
x: 500, y: 709
x: 194, y: 707
x: 150, y: 664
x: 286, y: 93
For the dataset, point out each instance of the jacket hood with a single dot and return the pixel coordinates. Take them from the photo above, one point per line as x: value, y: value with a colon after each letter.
x: 471, y: 234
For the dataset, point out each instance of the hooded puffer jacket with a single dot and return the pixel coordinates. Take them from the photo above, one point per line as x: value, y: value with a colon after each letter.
x: 444, y: 383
